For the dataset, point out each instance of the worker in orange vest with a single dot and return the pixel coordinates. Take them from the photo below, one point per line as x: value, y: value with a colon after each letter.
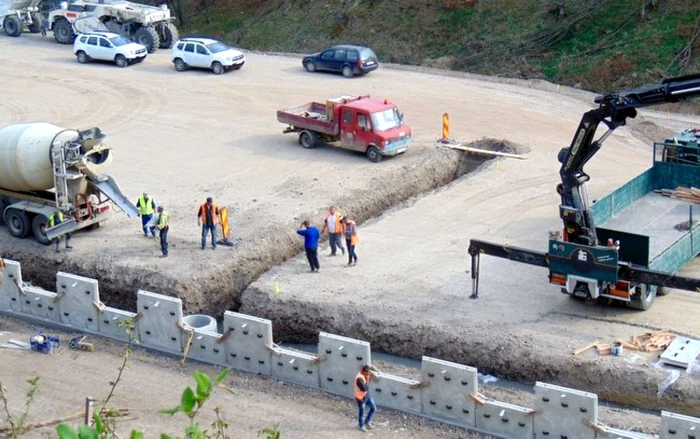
x: 335, y: 229
x: 351, y: 239
x: 362, y: 396
x: 208, y: 218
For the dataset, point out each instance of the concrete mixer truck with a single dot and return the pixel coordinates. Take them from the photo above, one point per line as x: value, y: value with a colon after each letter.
x: 44, y: 168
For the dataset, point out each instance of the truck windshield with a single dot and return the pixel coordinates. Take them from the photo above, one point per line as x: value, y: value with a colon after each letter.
x: 119, y: 41
x: 386, y: 120
x: 217, y: 47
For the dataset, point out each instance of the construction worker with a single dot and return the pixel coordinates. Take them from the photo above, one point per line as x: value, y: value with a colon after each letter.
x: 54, y: 220
x: 351, y: 239
x: 362, y: 396
x: 146, y: 207
x: 163, y: 226
x: 335, y: 229
x: 208, y: 218
x: 311, y: 235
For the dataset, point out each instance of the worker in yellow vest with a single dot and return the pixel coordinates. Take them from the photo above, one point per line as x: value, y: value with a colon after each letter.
x: 54, y: 220
x: 163, y: 227
x: 146, y: 207
x: 208, y: 218
x: 362, y: 396
x: 335, y: 229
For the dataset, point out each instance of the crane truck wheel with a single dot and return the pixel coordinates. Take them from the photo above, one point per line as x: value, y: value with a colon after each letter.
x: 13, y: 26
x: 644, y: 298
x: 168, y: 36
x: 147, y: 36
x: 39, y: 224
x: 373, y: 154
x: 63, y: 31
x: 17, y: 223
x: 35, y: 27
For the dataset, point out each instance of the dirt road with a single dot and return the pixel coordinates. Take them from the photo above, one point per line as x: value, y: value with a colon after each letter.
x: 185, y: 136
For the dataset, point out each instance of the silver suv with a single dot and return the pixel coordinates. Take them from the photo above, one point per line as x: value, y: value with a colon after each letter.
x: 206, y: 53
x: 108, y: 46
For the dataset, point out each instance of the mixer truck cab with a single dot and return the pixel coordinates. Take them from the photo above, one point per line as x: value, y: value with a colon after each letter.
x: 44, y: 168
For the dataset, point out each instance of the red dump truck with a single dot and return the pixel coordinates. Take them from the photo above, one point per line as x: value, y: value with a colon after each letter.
x: 368, y: 125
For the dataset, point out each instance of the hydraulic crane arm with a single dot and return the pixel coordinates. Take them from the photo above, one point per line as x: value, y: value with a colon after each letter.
x: 613, y: 111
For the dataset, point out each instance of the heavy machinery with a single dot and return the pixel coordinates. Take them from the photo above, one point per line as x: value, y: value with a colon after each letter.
x: 617, y: 262
x: 17, y: 16
x: 150, y: 26
x: 45, y: 168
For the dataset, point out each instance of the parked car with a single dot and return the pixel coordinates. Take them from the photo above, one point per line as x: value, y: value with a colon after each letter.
x: 347, y: 59
x: 108, y: 46
x: 206, y: 53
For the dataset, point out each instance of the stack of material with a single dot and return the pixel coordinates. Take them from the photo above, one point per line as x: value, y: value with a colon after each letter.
x: 647, y: 342
x: 691, y: 195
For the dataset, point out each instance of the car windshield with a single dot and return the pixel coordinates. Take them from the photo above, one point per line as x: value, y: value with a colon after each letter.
x: 367, y: 54
x: 119, y: 41
x: 386, y: 120
x: 217, y: 47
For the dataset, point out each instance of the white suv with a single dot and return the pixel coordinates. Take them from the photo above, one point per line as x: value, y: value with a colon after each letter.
x: 108, y: 46
x: 206, y: 53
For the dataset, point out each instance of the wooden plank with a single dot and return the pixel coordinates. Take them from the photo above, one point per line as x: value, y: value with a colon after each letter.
x: 487, y: 152
x: 587, y: 347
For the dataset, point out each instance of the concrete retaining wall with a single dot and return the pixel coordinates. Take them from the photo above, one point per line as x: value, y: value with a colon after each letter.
x: 447, y: 391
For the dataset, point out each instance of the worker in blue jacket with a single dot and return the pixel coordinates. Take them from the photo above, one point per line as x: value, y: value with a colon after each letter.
x: 311, y: 235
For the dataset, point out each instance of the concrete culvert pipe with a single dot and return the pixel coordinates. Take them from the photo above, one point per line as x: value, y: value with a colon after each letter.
x: 200, y: 321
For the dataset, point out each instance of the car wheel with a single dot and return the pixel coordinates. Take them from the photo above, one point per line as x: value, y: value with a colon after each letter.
x: 310, y: 66
x: 63, y: 31
x: 308, y: 139
x: 13, y: 26
x: 217, y: 68
x: 373, y: 154
x: 121, y: 61
x: 82, y: 57
x: 39, y: 225
x: 17, y: 223
x: 180, y: 65
x: 347, y: 72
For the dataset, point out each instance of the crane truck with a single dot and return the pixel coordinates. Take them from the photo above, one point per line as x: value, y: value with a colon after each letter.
x: 45, y: 168
x: 602, y: 252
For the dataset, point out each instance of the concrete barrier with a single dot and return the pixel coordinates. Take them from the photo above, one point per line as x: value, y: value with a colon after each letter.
x: 447, y: 391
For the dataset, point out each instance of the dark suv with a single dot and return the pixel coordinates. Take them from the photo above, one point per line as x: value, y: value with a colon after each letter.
x: 349, y: 60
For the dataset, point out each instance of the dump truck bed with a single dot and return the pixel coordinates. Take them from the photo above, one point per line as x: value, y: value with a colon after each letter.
x: 311, y: 116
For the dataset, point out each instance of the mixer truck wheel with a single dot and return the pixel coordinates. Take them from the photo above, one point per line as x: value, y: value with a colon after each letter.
x: 39, y: 224
x: 17, y: 223
x: 147, y: 36
x: 35, y: 27
x: 63, y: 31
x: 13, y: 26
x: 168, y: 36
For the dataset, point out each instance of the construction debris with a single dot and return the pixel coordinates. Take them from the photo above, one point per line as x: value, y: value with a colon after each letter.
x: 691, y: 195
x: 647, y: 342
x: 682, y: 352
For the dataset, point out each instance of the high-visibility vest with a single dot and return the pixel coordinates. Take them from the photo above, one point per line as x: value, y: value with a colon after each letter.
x: 214, y: 216
x: 163, y: 220
x: 339, y: 227
x: 354, y: 238
x: 145, y: 206
x: 360, y: 394
x: 52, y: 219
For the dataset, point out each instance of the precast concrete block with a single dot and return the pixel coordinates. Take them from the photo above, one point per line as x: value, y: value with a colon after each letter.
x: 397, y: 392
x: 675, y: 426
x: 40, y: 303
x: 450, y: 391
x: 564, y: 413
x: 505, y: 420
x: 10, y: 289
x: 110, y: 323
x: 248, y: 342
x: 78, y: 297
x: 342, y: 358
x: 206, y: 346
x: 160, y: 325
x: 295, y: 367
x: 605, y: 432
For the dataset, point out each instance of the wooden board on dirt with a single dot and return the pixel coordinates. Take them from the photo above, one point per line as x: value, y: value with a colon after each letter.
x: 487, y: 152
